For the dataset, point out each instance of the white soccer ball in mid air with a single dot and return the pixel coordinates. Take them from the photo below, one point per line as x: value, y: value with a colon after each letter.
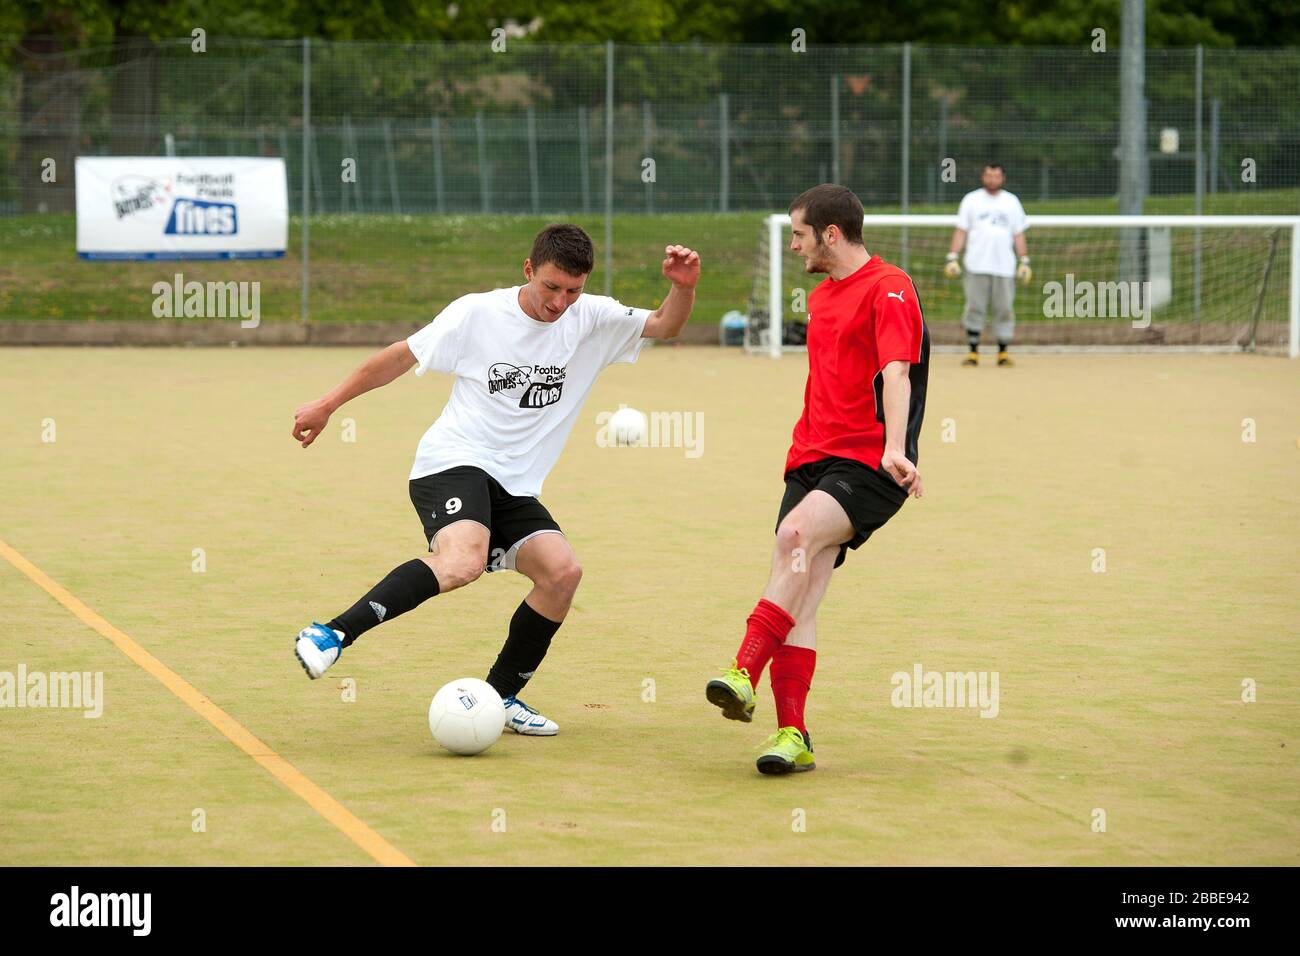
x: 627, y: 426
x: 467, y: 716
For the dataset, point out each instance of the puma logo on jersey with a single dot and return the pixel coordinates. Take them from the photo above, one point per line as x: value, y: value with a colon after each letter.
x: 895, y: 295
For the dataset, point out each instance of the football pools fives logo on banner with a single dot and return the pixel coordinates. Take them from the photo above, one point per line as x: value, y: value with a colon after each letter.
x: 172, y: 208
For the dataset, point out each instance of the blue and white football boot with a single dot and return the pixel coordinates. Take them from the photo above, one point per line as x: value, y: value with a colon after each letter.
x: 522, y: 719
x: 317, y: 647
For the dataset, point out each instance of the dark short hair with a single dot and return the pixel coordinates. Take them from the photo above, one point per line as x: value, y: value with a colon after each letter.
x: 831, y: 205
x: 998, y: 166
x: 566, y: 245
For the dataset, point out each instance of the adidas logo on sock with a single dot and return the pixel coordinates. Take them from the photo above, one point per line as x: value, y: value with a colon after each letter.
x: 379, y: 610
x: 528, y: 675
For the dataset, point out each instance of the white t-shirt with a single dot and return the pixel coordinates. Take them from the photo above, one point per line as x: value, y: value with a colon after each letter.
x: 520, y: 383
x: 991, y: 222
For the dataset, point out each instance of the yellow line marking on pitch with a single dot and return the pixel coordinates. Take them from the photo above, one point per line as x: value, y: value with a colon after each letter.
x: 352, y: 826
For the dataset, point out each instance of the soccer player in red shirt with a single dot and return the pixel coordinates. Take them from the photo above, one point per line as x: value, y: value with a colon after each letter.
x: 852, y: 462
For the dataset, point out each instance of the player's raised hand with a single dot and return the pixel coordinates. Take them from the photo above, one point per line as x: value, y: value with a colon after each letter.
x: 309, y: 420
x: 681, y: 266
x: 902, y: 471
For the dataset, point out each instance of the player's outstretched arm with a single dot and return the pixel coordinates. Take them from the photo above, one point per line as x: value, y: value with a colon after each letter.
x: 898, y: 397
x: 681, y: 267
x: 380, y: 369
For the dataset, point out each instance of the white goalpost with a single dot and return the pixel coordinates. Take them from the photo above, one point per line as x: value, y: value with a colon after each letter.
x: 1205, y: 283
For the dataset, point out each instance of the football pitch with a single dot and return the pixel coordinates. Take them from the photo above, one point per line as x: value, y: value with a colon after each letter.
x: 1111, y: 538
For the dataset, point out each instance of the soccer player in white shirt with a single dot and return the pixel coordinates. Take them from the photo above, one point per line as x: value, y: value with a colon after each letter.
x: 990, y: 223
x: 524, y: 359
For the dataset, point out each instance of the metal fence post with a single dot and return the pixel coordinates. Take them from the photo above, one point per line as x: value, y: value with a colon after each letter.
x: 304, y: 308
x: 724, y: 156
x: 647, y: 132
x: 609, y: 167
x: 353, y: 146
x: 584, y: 168
x: 436, y: 127
x: 943, y: 145
x: 394, y: 194
x: 1132, y: 133
x: 1200, y: 181
x: 534, y: 187
x: 1214, y: 144
x: 484, y: 188
x: 316, y: 179
x: 835, y: 128
x: 906, y: 134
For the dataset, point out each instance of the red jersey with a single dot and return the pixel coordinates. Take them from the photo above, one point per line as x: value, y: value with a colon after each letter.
x: 856, y: 326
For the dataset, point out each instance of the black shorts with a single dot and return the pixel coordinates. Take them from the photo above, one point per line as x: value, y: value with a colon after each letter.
x: 869, y: 497
x: 466, y: 492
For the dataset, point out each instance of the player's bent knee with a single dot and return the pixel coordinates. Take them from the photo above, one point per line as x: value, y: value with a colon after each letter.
x: 565, y: 579
x: 472, y: 569
x: 456, y: 570
x: 790, y: 537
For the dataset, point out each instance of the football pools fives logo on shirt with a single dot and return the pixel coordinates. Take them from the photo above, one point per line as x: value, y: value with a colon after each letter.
x: 534, y: 386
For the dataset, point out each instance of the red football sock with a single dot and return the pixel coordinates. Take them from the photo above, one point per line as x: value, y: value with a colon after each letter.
x: 792, y: 672
x: 765, y: 631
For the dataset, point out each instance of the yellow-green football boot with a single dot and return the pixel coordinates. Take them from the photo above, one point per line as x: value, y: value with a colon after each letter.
x: 733, y: 692
x: 787, y: 751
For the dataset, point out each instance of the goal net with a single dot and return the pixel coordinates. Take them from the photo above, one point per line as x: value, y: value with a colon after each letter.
x: 1221, y: 283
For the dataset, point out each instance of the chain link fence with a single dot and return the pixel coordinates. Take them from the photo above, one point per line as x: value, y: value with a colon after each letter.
x: 461, y: 152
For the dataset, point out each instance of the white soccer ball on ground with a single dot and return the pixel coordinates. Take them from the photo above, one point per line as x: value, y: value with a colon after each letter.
x: 627, y: 426
x: 467, y: 716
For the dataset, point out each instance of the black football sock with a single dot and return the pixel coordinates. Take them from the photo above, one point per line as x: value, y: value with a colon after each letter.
x: 974, y: 339
x: 407, y: 586
x: 522, y: 653
x: 1002, y: 346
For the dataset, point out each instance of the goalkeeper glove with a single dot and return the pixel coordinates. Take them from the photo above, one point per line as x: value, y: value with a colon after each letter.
x: 951, y: 267
x: 1023, y: 272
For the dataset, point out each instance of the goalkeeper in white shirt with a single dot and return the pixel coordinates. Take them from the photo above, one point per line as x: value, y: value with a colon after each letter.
x: 991, y: 224
x: 524, y: 359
